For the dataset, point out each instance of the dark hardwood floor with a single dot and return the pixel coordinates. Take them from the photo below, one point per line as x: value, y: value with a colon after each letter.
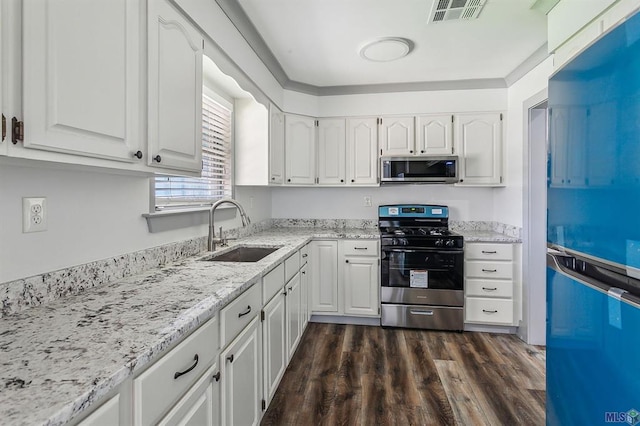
x: 358, y: 375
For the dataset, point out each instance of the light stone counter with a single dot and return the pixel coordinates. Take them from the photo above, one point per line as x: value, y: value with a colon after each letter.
x: 487, y: 237
x: 59, y: 358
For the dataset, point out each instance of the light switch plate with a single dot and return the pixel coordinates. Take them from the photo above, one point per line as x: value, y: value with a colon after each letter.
x: 34, y: 214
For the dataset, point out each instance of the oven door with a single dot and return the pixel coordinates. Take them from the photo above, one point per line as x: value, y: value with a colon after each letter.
x: 411, y: 267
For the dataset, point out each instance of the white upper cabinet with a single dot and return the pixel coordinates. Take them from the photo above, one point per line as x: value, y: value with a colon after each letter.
x: 175, y: 89
x: 331, y: 151
x: 362, y: 151
x: 397, y: 136
x: 300, y: 159
x: 81, y: 79
x: 276, y: 145
x: 479, y: 145
x: 434, y: 134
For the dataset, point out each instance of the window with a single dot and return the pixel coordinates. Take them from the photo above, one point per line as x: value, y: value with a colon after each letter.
x: 216, y: 180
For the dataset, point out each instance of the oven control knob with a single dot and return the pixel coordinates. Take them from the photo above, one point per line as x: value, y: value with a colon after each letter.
x: 439, y: 243
x: 450, y: 243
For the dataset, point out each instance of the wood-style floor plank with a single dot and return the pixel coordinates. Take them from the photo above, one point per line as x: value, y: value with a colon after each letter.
x: 357, y: 375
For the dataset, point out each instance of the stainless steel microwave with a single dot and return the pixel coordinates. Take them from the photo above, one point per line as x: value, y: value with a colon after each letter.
x: 419, y: 169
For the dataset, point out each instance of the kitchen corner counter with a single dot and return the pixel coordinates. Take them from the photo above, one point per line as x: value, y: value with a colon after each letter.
x: 487, y: 237
x: 60, y: 358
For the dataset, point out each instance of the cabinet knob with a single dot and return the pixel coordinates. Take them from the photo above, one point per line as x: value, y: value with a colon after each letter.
x: 341, y: 180
x: 353, y: 180
x: 422, y: 151
x: 157, y: 158
x: 217, y: 376
x: 411, y: 152
x: 273, y: 178
x: 138, y: 155
x: 288, y: 180
x: 346, y: 261
x: 230, y: 358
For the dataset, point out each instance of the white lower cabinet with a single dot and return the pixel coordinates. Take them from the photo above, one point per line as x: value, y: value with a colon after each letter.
x: 361, y: 290
x: 304, y: 295
x: 324, y: 276
x: 294, y: 317
x: 174, y: 375
x: 108, y: 414
x: 201, y: 405
x: 274, y: 344
x: 491, y: 295
x: 241, y: 378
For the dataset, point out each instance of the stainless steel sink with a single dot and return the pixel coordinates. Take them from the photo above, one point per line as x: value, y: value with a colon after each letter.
x: 242, y: 254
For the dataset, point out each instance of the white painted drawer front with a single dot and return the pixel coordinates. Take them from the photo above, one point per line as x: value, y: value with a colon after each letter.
x: 304, y: 255
x: 491, y: 270
x: 235, y: 316
x: 272, y: 283
x: 161, y: 385
x: 495, y: 311
x: 488, y: 288
x: 291, y: 266
x: 483, y: 251
x: 360, y: 247
x: 107, y: 415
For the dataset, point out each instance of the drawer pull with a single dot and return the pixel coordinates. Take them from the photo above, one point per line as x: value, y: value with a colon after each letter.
x: 489, y: 270
x: 230, y: 358
x: 415, y: 312
x: 490, y: 288
x: 241, y: 314
x: 217, y: 376
x: 489, y: 312
x: 181, y: 373
x: 305, y: 255
x: 304, y: 272
x: 360, y: 248
x: 489, y: 252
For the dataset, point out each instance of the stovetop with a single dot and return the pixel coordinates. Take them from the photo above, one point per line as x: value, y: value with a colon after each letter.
x: 417, y: 232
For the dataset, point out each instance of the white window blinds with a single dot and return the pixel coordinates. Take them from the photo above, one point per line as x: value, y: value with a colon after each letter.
x: 216, y: 181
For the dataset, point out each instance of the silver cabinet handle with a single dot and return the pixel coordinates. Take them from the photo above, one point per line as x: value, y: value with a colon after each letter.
x: 415, y: 312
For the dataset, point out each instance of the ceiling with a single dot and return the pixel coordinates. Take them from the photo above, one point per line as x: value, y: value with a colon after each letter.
x: 313, y: 45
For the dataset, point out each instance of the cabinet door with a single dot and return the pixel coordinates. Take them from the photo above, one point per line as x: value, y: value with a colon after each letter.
x: 479, y: 140
x: 362, y: 151
x: 241, y: 376
x: 331, y: 151
x: 577, y: 147
x: 361, y: 286
x: 81, y: 74
x: 397, y: 136
x: 276, y: 145
x: 299, y: 149
x: 324, y: 276
x: 304, y: 295
x: 294, y: 316
x: 559, y: 135
x: 5, y: 120
x: 434, y: 134
x: 274, y: 344
x: 108, y: 414
x: 175, y: 89
x: 201, y: 405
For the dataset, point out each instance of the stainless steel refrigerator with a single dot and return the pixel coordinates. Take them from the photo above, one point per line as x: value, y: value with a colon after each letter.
x: 593, y: 234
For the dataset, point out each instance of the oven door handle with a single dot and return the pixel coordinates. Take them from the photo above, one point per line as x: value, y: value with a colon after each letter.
x: 423, y: 251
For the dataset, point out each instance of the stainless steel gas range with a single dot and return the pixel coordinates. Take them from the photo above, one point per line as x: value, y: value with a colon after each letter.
x: 421, y: 268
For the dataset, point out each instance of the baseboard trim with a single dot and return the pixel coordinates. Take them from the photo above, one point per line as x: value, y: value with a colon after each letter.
x: 491, y: 328
x: 339, y: 319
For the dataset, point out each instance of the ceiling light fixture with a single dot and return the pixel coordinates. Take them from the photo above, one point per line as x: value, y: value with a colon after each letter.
x: 386, y: 49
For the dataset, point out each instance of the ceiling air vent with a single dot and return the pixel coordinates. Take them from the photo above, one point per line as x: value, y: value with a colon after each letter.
x: 451, y: 10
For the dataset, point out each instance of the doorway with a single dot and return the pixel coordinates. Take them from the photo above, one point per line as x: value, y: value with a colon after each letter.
x: 534, y: 293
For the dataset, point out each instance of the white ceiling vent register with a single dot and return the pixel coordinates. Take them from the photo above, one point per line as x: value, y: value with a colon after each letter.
x: 451, y: 10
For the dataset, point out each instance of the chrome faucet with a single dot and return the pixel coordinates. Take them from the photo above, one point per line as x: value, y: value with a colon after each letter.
x: 243, y: 216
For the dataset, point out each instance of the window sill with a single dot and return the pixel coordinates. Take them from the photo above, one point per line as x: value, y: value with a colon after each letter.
x: 166, y: 220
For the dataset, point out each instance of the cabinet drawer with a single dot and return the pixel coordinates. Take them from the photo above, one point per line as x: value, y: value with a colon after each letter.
x: 490, y: 270
x: 488, y: 288
x: 239, y: 313
x: 493, y: 311
x: 161, y: 385
x: 360, y: 247
x: 272, y: 283
x: 304, y: 255
x: 291, y: 266
x: 482, y: 251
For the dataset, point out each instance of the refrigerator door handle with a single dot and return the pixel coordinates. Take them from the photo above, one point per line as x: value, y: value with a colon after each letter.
x: 559, y: 263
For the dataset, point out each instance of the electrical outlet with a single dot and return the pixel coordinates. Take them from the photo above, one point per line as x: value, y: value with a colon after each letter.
x: 34, y: 214
x: 367, y: 201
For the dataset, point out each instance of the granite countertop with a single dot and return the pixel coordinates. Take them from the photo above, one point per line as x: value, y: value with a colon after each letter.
x: 60, y: 358
x: 473, y: 236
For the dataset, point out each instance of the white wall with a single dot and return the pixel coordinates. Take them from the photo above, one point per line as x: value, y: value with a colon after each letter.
x: 348, y: 203
x: 91, y: 216
x: 508, y: 201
